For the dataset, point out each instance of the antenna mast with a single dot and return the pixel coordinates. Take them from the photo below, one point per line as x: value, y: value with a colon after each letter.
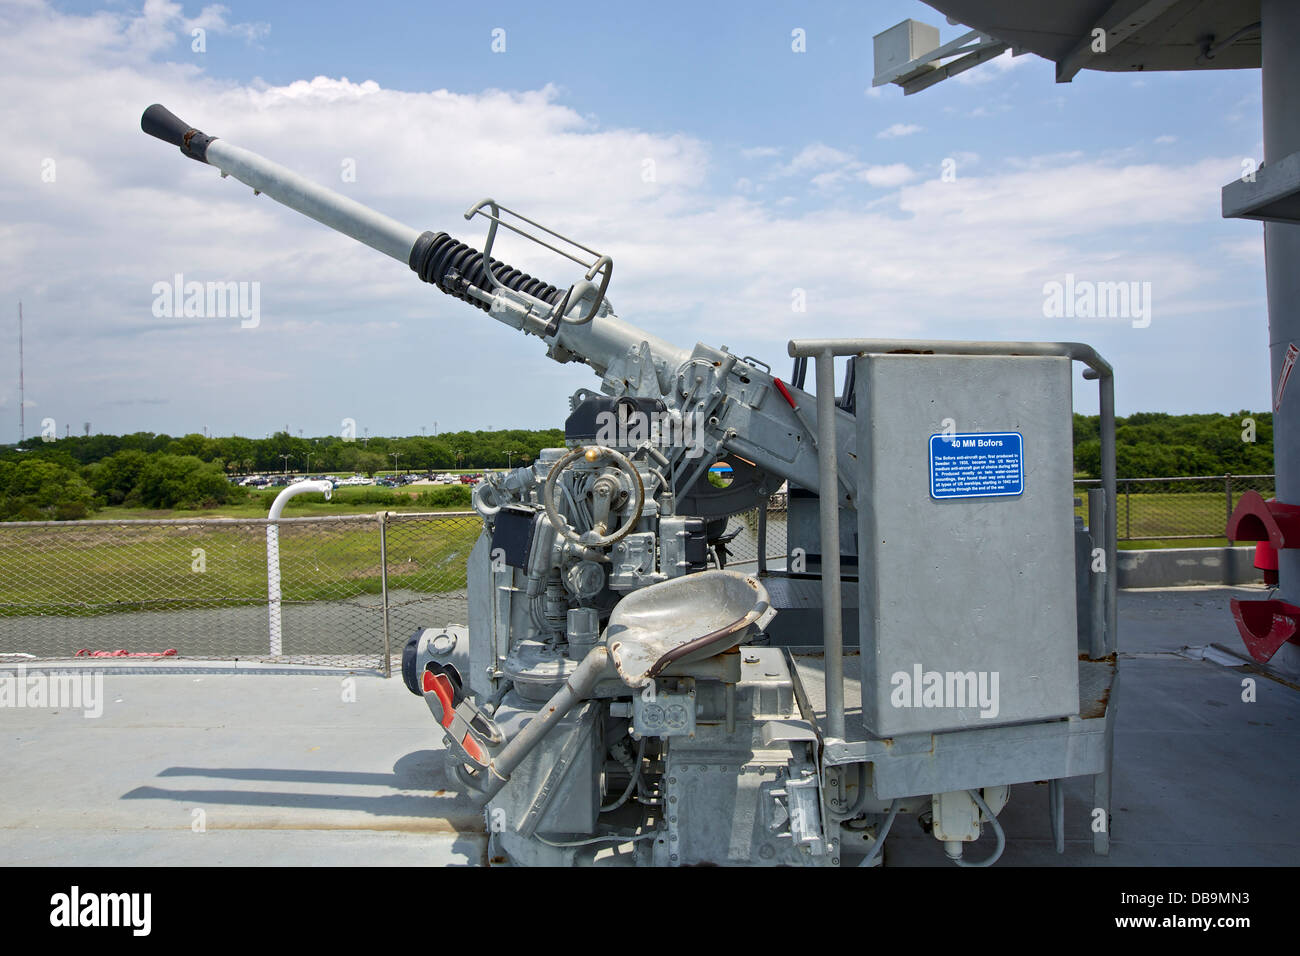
x: 22, y: 407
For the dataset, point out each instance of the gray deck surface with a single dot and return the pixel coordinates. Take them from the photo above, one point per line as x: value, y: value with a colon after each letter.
x: 1201, y: 777
x: 286, y: 772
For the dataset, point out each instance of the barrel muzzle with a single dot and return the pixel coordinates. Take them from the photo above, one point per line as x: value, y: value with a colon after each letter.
x: 161, y: 122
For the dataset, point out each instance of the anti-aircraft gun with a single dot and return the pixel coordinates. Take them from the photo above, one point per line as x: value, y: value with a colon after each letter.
x: 615, y: 685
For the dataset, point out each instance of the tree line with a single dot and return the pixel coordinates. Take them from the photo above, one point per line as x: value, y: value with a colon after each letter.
x: 72, y: 477
x: 1160, y: 445
x: 283, y: 452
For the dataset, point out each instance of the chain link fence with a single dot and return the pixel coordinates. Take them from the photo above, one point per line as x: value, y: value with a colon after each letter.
x: 426, y: 561
x: 758, y: 530
x: 199, y: 589
x: 1162, y: 509
x: 353, y: 588
x: 1148, y: 509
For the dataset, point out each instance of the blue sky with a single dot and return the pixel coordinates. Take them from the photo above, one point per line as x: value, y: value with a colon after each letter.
x: 774, y: 171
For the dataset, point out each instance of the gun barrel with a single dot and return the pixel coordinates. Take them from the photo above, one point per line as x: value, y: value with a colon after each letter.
x: 348, y: 216
x: 630, y: 360
x: 437, y: 258
x: 345, y: 215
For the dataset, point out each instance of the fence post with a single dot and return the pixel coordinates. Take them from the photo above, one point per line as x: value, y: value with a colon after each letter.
x: 1128, y: 511
x: 383, y: 583
x: 1227, y: 491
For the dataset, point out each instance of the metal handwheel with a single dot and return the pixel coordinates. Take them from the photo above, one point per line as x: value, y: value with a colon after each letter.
x: 592, y: 453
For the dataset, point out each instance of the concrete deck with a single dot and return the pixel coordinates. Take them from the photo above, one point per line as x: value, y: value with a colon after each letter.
x: 286, y: 771
x: 1201, y: 777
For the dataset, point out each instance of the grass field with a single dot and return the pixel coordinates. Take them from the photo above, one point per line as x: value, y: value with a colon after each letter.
x: 1139, y: 544
x: 84, y: 570
x: 1194, y: 519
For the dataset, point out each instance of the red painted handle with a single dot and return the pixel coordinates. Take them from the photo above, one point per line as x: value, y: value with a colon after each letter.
x: 439, y: 685
x: 785, y: 392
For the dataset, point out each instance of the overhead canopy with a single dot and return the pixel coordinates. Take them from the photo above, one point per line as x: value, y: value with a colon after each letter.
x: 1140, y: 34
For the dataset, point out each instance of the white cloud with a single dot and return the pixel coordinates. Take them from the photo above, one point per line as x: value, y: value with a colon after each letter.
x: 993, y: 69
x: 813, y: 157
x: 1073, y: 197
x: 1248, y: 250
x: 161, y: 22
x: 829, y: 179
x: 889, y: 176
x: 897, y: 130
x: 834, y: 168
x: 348, y: 333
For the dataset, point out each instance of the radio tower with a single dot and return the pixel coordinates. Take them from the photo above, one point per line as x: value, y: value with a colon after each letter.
x: 22, y: 410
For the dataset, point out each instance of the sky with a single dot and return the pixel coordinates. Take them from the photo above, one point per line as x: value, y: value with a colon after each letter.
x: 733, y: 159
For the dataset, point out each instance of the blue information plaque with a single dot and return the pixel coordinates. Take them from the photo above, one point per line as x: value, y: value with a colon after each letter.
x: 985, y: 465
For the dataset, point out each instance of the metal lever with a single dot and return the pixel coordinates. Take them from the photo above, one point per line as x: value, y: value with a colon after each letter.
x: 468, y: 731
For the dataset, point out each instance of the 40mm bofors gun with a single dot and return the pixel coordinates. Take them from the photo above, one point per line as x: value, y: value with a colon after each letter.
x: 619, y: 693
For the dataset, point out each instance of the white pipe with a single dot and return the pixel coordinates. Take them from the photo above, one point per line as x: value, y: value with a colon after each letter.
x: 273, y: 551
